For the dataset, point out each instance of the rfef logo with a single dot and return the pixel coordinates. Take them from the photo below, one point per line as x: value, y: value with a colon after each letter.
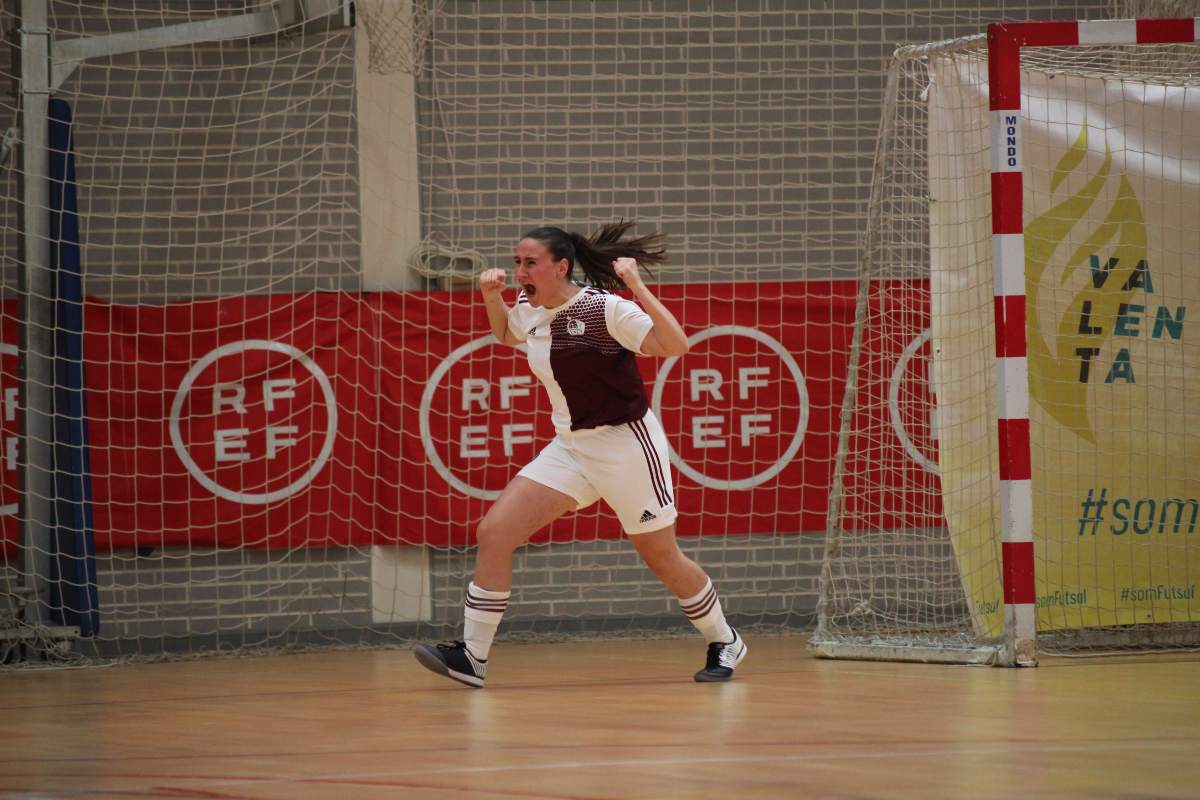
x: 10, y: 429
x: 912, y: 407
x: 482, y: 411
x: 254, y: 421
x: 735, y: 407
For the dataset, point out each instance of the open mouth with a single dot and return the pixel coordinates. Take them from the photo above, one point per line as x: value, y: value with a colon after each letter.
x: 530, y: 289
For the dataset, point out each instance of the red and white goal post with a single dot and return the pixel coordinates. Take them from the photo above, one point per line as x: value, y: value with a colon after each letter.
x: 1061, y: 516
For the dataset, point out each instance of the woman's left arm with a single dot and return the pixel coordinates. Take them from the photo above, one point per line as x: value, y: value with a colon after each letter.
x: 666, y: 338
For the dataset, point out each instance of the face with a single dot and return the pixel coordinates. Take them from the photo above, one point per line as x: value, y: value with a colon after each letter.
x: 542, y: 278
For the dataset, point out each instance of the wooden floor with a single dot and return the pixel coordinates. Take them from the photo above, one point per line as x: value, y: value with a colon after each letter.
x: 602, y: 720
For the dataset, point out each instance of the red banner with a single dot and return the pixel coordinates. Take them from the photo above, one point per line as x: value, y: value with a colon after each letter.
x: 340, y: 419
x: 750, y: 411
x: 243, y: 421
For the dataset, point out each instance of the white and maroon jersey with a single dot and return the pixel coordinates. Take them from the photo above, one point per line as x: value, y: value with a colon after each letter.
x: 583, y: 353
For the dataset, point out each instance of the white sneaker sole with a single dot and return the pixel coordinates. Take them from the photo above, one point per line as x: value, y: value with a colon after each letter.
x: 742, y: 653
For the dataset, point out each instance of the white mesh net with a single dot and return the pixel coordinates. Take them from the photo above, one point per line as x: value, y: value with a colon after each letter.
x: 293, y: 417
x: 913, y: 563
x: 293, y: 427
x: 398, y: 32
x: 216, y: 249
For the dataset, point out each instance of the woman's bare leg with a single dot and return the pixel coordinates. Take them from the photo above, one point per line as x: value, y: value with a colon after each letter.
x: 662, y: 555
x: 523, y: 508
x: 685, y: 578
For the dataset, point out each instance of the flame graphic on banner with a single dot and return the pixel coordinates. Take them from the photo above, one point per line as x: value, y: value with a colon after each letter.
x: 1054, y: 378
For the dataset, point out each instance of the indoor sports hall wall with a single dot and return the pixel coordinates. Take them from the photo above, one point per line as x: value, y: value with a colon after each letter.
x: 744, y: 130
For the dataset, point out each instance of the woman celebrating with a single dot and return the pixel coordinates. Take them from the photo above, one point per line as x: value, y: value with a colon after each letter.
x: 582, y: 341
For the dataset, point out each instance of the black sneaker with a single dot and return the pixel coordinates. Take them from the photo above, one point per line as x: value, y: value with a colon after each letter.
x: 722, y: 658
x: 453, y: 660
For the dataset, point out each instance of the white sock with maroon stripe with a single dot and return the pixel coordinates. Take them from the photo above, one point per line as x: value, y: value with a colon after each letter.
x: 704, y: 610
x: 482, y: 616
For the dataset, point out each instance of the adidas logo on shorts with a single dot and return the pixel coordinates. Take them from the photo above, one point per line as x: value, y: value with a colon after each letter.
x: 647, y: 516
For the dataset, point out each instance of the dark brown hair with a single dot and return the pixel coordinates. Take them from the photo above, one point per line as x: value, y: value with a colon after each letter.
x: 594, y: 254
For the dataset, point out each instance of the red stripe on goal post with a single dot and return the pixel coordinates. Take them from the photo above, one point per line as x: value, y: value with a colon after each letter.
x: 1046, y: 34
x: 1004, y: 69
x: 1018, y: 572
x: 1006, y: 202
x: 1166, y: 31
x: 1014, y: 450
x: 1010, y: 325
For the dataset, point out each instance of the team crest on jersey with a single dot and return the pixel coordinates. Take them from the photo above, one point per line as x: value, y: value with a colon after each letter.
x: 575, y: 327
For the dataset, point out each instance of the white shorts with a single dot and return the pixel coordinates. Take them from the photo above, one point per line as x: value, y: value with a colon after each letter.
x: 625, y: 464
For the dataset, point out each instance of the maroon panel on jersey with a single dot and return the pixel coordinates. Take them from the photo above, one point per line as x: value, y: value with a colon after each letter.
x: 598, y: 377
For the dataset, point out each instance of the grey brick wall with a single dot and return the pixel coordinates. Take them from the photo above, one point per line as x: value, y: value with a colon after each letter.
x: 744, y: 130
x: 212, y: 169
x: 180, y: 600
x: 769, y: 580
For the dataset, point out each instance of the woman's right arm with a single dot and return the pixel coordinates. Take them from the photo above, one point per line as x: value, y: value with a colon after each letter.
x: 491, y: 286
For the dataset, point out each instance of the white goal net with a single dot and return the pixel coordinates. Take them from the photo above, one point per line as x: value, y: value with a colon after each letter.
x: 249, y: 395
x: 915, y: 567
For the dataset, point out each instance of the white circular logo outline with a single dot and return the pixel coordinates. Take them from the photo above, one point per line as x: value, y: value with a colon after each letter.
x: 898, y: 426
x: 9, y: 508
x: 797, y: 437
x: 431, y: 386
x: 185, y: 386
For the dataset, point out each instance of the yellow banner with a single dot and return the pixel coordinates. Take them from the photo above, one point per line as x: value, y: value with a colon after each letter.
x: 1112, y: 265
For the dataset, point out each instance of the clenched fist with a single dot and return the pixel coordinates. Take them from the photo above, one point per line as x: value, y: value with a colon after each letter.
x: 627, y: 271
x: 491, y: 282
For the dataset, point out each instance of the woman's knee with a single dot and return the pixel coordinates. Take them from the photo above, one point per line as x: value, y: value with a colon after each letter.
x: 499, y: 533
x: 657, y: 550
x: 488, y: 534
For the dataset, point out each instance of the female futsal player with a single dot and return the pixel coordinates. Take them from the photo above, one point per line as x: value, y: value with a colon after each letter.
x: 582, y: 341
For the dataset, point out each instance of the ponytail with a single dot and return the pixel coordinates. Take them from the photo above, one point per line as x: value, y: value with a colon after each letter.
x: 595, y: 253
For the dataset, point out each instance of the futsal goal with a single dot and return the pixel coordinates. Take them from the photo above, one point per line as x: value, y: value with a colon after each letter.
x: 1037, y: 197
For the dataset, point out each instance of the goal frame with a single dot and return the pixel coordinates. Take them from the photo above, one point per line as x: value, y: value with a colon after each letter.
x: 1004, y: 44
x: 43, y: 65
